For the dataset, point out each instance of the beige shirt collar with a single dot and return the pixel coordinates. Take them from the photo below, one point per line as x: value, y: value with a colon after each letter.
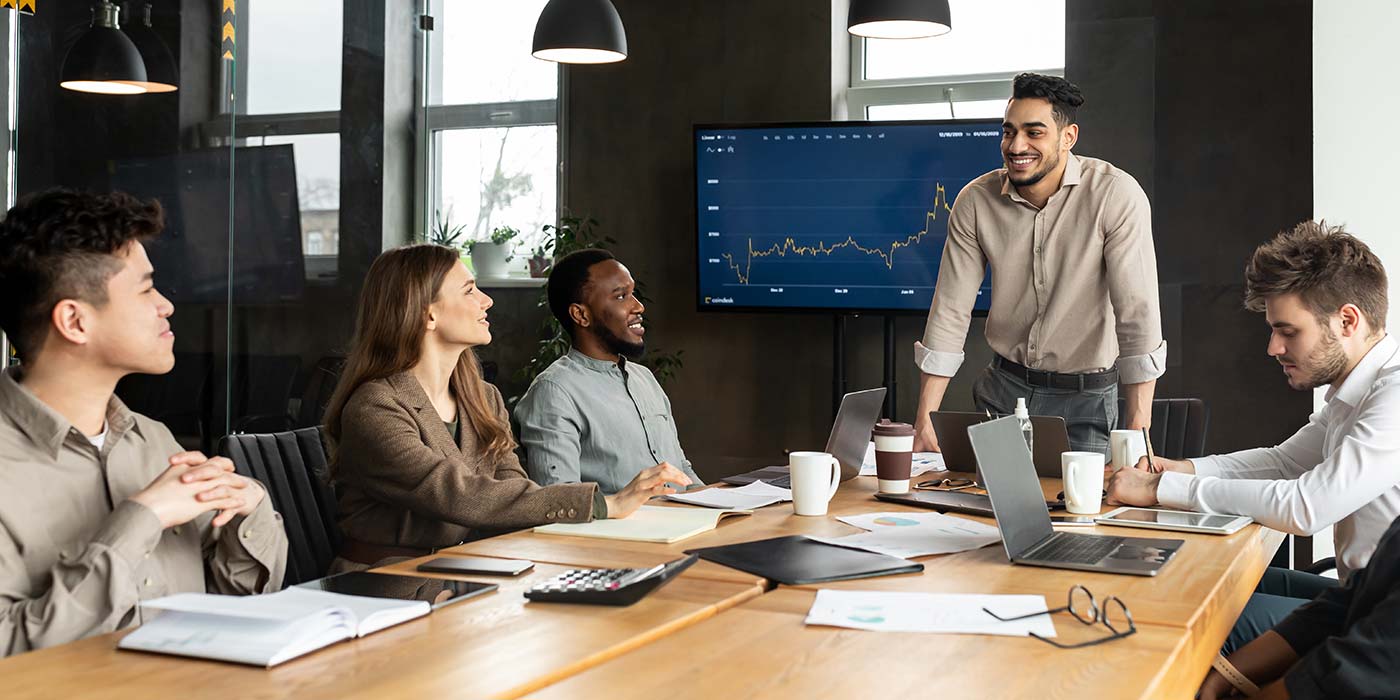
x: 1069, y: 179
x: 45, y: 427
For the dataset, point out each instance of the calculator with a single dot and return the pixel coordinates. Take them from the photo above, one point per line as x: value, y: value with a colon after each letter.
x: 607, y: 586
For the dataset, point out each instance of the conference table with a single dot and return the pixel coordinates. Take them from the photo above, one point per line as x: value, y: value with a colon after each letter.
x: 716, y: 631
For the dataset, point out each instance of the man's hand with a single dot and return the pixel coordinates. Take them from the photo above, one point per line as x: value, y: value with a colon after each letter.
x: 924, y: 438
x: 194, y: 484
x: 653, y: 481
x: 1162, y: 464
x: 1215, y: 687
x: 1133, y: 487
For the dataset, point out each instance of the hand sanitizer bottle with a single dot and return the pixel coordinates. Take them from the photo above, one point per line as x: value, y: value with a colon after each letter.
x: 1023, y: 416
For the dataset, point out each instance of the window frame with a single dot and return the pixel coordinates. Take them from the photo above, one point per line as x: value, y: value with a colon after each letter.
x: 864, y: 93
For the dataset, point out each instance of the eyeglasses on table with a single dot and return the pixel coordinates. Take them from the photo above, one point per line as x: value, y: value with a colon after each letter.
x: 1113, y: 614
x: 947, y: 485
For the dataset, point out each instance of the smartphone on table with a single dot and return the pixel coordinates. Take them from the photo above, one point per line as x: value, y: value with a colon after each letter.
x: 477, y: 565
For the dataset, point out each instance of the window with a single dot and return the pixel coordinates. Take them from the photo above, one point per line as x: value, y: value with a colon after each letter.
x: 494, y: 151
x: 963, y: 74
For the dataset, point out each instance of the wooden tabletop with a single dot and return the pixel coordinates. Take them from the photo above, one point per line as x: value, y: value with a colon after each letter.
x: 762, y: 649
x: 497, y: 646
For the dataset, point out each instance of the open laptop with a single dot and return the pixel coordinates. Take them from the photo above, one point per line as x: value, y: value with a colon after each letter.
x: 1051, y: 438
x: 1025, y: 523
x: 850, y: 435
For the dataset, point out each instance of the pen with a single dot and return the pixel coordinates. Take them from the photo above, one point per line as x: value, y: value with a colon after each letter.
x: 1151, y: 468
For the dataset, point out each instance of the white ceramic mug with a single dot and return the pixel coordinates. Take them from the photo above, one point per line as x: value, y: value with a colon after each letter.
x: 814, y: 476
x: 1126, y: 447
x: 1083, y: 479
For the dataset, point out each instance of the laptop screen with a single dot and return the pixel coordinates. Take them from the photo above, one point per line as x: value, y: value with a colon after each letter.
x: 850, y: 433
x: 1011, y: 482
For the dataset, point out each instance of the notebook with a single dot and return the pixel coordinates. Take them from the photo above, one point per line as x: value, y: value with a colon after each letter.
x: 263, y: 630
x: 648, y: 524
x: 796, y: 560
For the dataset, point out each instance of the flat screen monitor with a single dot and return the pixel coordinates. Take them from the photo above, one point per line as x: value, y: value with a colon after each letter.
x: 832, y: 216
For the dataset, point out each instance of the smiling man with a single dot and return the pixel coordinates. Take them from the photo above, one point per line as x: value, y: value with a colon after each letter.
x: 593, y: 415
x: 1323, y: 293
x: 1074, y: 280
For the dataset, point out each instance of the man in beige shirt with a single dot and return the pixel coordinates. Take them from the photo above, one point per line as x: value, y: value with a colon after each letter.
x: 100, y: 508
x: 1074, y: 280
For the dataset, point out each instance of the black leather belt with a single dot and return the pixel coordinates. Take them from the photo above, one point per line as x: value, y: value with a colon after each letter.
x: 1056, y: 380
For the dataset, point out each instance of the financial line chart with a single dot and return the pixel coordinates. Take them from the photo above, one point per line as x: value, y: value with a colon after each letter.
x: 789, y: 246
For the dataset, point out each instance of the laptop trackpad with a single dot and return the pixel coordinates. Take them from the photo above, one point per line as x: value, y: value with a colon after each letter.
x: 1142, y: 553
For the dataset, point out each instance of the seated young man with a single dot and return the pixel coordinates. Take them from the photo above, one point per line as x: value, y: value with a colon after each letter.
x: 593, y: 415
x: 100, y: 508
x: 1340, y: 645
x: 1323, y: 292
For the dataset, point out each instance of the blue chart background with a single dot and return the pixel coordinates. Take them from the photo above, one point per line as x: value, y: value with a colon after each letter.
x: 797, y: 203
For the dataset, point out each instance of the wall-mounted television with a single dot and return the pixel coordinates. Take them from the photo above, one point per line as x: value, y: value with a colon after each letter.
x: 831, y: 216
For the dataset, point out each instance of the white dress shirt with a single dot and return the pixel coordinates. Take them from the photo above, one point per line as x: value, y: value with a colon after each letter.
x: 1342, y: 468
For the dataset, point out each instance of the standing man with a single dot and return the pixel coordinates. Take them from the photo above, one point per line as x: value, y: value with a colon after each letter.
x: 1074, y: 280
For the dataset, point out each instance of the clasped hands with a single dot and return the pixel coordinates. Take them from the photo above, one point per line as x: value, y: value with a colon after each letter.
x: 194, y: 484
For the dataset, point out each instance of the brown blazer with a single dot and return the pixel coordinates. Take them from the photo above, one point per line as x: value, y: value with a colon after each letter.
x: 401, y: 480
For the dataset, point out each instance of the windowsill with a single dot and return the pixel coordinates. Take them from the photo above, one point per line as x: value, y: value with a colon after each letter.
x: 511, y: 282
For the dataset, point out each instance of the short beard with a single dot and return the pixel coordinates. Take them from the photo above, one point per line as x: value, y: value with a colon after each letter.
x: 618, y: 346
x: 1326, y: 363
x: 1039, y: 175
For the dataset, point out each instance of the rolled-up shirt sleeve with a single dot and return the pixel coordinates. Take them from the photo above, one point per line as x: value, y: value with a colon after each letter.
x: 1131, y: 264
x: 959, y: 279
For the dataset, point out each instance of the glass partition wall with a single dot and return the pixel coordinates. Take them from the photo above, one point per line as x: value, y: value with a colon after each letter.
x: 248, y: 157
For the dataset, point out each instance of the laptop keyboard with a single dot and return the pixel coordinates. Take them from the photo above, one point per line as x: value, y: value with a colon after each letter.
x: 1073, y: 548
x: 782, y: 482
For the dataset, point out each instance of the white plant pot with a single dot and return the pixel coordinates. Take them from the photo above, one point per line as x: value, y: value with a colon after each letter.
x: 489, y: 259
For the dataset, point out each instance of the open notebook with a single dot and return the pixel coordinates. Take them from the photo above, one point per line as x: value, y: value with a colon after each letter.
x: 264, y: 630
x: 648, y: 524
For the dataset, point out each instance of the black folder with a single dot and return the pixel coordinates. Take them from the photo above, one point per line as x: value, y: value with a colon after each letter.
x: 795, y: 560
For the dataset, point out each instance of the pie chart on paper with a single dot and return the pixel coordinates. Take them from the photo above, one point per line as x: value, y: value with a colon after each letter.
x: 894, y: 521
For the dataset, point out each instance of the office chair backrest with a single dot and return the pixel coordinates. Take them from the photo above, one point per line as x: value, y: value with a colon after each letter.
x: 1178, y: 427
x: 293, y: 467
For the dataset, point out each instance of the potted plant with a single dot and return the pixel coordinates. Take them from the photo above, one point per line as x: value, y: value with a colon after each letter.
x: 540, y: 261
x: 489, y: 257
x: 443, y: 232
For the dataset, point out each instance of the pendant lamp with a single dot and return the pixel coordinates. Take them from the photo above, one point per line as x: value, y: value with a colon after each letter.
x: 899, y: 19
x: 161, y: 72
x: 580, y: 31
x: 104, y: 60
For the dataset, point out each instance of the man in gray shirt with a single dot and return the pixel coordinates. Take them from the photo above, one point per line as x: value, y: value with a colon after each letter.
x: 593, y: 415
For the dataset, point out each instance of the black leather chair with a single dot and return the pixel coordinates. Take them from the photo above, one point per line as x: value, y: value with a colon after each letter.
x: 1178, y: 427
x: 294, y: 468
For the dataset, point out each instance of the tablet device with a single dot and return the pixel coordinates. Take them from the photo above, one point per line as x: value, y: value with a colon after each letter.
x: 1185, y: 521
x: 437, y: 591
x: 477, y: 565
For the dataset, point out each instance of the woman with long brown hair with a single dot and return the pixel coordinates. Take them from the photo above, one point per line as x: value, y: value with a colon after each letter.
x: 422, y: 454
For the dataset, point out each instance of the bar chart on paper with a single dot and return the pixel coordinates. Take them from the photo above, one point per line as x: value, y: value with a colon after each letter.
x: 832, y: 216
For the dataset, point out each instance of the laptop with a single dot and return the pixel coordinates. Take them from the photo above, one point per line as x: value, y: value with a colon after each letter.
x: 1051, y: 438
x: 1025, y: 523
x: 850, y: 436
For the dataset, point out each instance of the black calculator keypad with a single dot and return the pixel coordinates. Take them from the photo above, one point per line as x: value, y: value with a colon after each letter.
x: 604, y: 586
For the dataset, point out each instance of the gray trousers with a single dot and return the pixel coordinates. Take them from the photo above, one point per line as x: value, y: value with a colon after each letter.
x: 1278, y: 593
x: 1089, y: 415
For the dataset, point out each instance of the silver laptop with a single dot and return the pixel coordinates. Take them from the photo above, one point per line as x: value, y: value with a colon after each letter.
x: 1051, y: 438
x: 850, y: 435
x: 1024, y: 521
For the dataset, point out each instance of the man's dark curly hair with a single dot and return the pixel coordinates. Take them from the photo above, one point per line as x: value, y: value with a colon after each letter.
x: 1325, y: 266
x: 567, y: 280
x: 62, y: 244
x: 1064, y: 96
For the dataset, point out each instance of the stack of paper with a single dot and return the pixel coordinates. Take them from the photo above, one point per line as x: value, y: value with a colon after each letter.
x: 930, y: 612
x: 923, y: 462
x: 649, y: 524
x: 908, y: 535
x: 755, y: 495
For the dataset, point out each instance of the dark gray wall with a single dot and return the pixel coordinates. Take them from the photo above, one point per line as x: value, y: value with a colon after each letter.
x: 1208, y: 104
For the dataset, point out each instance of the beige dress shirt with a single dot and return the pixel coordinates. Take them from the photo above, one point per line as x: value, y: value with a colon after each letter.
x: 1074, y: 285
x: 76, y: 556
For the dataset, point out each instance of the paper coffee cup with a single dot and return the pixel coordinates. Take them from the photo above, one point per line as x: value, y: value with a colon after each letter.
x: 894, y: 455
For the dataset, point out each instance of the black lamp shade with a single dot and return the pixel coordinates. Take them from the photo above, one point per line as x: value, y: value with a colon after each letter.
x: 899, y: 19
x: 103, y: 60
x: 580, y: 31
x: 161, y: 73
